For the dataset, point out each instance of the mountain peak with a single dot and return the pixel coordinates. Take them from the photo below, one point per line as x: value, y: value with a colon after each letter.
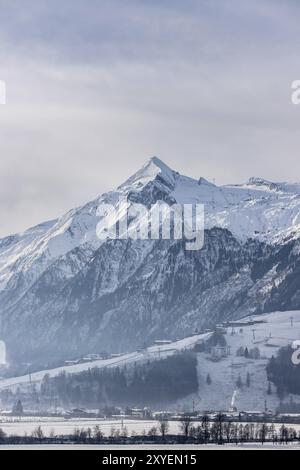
x: 153, y: 168
x: 155, y: 161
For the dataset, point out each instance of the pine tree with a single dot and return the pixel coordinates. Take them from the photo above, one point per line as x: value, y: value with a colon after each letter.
x: 2, y: 436
x: 248, y: 380
x: 269, y: 392
x: 18, y: 409
x: 239, y: 382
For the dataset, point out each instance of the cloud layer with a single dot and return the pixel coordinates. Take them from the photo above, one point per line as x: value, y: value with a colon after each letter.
x: 95, y: 88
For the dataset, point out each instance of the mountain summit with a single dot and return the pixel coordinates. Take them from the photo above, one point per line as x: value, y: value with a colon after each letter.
x: 150, y: 170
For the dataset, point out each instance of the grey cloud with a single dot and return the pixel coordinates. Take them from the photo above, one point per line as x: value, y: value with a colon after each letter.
x: 95, y: 89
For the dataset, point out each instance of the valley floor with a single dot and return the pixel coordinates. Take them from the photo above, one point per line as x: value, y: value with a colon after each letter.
x: 213, y: 447
x: 60, y: 427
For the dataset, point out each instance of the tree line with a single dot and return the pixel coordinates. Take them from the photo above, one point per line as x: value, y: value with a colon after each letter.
x: 220, y: 431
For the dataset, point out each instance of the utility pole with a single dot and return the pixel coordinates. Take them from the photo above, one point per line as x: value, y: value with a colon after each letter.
x: 28, y: 371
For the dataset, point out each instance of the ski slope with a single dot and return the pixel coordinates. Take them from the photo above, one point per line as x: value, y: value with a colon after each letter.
x: 279, y: 329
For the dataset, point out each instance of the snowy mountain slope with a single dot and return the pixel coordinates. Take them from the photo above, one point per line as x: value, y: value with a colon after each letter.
x: 150, y: 354
x: 258, y: 209
x: 63, y: 291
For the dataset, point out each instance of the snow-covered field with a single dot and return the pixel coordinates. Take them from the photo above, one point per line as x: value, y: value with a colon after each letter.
x: 97, y: 448
x: 153, y: 352
x: 62, y: 427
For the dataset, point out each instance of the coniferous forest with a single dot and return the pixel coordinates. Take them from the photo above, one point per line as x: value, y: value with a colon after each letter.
x: 284, y: 373
x: 153, y: 383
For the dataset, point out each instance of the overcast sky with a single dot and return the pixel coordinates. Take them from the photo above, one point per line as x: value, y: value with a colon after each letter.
x: 96, y: 87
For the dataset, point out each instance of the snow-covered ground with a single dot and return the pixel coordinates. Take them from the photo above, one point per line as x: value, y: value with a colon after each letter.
x: 96, y: 448
x: 279, y: 329
x: 20, y: 426
x: 153, y: 352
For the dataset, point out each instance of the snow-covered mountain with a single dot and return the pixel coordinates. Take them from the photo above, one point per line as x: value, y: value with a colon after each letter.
x: 63, y: 291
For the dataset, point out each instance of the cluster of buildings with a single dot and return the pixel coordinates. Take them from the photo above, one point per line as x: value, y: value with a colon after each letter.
x: 91, y: 358
x: 104, y: 355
